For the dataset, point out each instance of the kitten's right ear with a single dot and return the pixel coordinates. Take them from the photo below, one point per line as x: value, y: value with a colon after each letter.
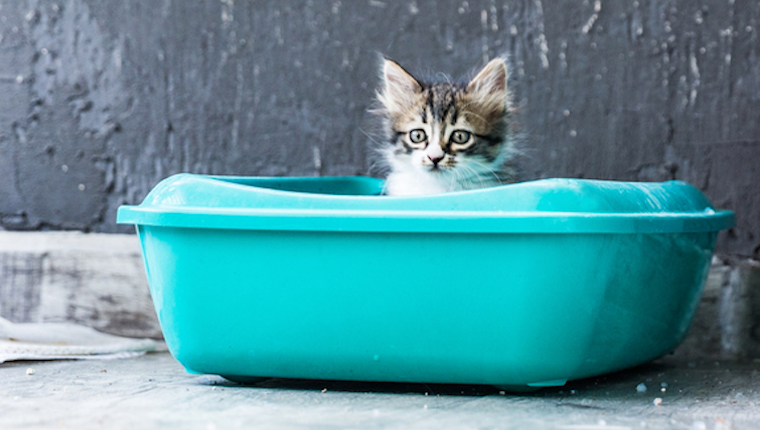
x: 399, y: 87
x: 489, y: 86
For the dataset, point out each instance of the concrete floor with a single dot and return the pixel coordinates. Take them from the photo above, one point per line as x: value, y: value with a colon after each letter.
x: 153, y: 391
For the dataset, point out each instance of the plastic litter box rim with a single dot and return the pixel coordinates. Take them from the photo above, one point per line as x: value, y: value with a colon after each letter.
x: 355, y: 204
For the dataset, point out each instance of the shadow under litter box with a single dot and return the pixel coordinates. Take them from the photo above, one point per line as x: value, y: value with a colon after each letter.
x: 154, y: 391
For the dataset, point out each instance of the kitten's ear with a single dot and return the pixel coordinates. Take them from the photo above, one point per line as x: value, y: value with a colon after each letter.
x: 399, y: 87
x: 490, y: 84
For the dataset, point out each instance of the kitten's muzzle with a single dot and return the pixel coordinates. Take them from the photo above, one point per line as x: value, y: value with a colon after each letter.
x: 435, y: 159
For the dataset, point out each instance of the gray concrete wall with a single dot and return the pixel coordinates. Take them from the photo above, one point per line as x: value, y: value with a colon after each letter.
x: 97, y: 280
x: 101, y: 99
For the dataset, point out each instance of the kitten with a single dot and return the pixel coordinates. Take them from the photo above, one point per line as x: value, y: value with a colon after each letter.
x: 444, y: 136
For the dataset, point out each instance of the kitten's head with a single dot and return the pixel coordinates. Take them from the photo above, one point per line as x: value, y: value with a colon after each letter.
x: 457, y: 134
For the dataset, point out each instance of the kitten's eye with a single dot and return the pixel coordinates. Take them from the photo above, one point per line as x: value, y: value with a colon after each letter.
x: 417, y: 135
x: 460, y: 136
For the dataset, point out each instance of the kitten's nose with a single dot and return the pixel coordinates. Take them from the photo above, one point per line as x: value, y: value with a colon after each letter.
x: 435, y: 158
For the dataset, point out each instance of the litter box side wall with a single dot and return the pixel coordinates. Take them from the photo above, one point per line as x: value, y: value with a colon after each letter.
x: 384, y: 307
x: 501, y: 309
x: 652, y: 294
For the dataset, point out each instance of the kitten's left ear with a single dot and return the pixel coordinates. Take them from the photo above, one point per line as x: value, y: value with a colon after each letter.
x: 400, y: 89
x: 490, y: 84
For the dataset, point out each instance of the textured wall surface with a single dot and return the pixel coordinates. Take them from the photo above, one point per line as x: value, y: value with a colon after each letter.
x: 97, y: 280
x: 101, y: 99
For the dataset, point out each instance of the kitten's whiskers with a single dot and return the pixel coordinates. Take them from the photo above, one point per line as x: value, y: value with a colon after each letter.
x: 487, y: 169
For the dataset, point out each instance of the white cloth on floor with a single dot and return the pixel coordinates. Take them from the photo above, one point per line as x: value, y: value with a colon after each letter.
x: 53, y: 341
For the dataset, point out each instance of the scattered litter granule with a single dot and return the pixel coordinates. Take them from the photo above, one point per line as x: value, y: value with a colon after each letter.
x: 657, y: 401
x: 641, y: 388
x: 30, y: 371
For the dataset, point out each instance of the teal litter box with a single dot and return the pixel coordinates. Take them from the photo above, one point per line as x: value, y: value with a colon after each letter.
x: 528, y: 284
